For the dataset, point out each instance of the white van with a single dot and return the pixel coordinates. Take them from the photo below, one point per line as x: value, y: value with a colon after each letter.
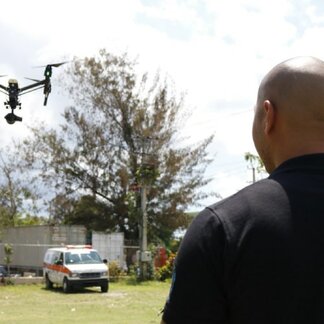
x: 75, y: 266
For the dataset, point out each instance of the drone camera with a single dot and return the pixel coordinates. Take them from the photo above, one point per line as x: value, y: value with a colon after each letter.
x: 12, y: 118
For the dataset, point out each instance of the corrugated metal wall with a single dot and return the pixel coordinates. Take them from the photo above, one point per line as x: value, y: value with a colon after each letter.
x: 110, y: 246
x: 31, y: 242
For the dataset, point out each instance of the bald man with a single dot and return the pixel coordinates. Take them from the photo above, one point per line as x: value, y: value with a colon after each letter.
x: 257, y: 257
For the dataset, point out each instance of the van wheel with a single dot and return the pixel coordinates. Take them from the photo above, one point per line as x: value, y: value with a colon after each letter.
x: 66, y: 286
x: 48, y: 283
x: 104, y: 287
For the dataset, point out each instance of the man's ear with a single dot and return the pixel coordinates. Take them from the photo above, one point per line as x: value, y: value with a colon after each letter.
x: 269, y: 120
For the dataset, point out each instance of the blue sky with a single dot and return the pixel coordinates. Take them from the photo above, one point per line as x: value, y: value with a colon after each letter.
x: 216, y: 51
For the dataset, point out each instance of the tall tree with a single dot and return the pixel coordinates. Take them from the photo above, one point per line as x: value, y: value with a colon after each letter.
x: 122, y: 132
x: 17, y: 195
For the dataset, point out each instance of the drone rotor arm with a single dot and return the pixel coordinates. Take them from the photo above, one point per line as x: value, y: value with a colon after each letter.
x: 4, y: 88
x: 4, y: 92
x: 31, y: 90
x: 31, y: 86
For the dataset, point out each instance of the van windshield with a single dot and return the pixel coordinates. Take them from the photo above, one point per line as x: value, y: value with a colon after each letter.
x: 86, y: 257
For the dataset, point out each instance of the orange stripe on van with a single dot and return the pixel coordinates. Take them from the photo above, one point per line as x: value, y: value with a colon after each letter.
x: 56, y: 267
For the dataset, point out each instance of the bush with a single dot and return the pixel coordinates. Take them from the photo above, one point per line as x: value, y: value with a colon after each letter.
x: 6, y: 281
x: 134, y: 273
x: 115, y: 271
x: 165, y: 271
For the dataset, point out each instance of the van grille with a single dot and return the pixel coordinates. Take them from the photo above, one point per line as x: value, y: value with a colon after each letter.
x: 90, y: 275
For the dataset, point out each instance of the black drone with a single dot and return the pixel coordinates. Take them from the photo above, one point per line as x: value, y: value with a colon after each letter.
x: 13, y: 91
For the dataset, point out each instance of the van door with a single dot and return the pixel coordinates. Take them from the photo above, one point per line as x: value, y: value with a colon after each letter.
x: 59, y: 269
x: 51, y: 268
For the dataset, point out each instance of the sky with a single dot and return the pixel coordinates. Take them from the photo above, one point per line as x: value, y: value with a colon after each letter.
x: 214, y: 51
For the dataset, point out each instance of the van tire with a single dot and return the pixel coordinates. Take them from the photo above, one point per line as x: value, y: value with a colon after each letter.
x: 104, y: 287
x: 66, y: 286
x: 48, y: 283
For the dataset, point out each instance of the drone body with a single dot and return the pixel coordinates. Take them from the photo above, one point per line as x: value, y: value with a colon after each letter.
x: 13, y: 91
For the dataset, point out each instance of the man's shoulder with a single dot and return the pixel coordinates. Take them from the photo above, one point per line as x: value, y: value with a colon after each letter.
x: 250, y: 194
x: 252, y: 201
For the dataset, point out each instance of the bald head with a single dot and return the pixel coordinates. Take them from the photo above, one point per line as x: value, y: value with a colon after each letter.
x: 289, y: 117
x: 297, y: 86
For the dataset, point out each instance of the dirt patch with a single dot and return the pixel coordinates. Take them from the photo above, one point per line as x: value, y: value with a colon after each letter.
x: 116, y: 294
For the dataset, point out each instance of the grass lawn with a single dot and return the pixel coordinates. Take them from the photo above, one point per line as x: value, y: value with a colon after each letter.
x: 124, y: 303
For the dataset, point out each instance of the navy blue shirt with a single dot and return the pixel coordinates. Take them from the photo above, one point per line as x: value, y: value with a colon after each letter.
x: 256, y: 257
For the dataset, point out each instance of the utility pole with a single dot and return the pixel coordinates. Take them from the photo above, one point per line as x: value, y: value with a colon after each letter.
x: 146, y: 178
x: 144, y: 255
x: 144, y: 217
x: 252, y: 160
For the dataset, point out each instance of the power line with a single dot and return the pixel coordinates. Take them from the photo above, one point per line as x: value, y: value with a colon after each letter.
x: 229, y: 115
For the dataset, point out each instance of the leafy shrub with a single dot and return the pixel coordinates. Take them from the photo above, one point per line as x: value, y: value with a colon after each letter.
x: 115, y: 271
x: 165, y: 271
x: 134, y: 272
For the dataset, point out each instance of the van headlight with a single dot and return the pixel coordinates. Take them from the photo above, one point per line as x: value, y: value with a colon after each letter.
x: 74, y: 274
x: 104, y: 274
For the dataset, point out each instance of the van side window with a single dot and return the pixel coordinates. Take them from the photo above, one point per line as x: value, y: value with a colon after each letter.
x: 58, y: 259
x: 48, y: 257
x: 54, y: 257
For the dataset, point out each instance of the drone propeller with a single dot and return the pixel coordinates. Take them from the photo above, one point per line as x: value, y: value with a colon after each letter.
x: 48, y: 68
x: 33, y: 79
x: 51, y: 65
x: 3, y: 75
x: 58, y: 64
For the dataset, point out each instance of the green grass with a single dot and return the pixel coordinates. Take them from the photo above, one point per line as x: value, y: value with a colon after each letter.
x: 124, y: 303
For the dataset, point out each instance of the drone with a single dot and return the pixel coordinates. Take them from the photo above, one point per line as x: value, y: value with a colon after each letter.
x: 13, y: 91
